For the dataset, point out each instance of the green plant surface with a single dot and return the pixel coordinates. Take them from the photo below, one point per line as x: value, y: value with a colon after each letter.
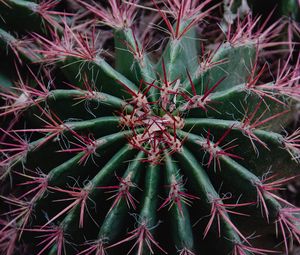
x: 147, y: 127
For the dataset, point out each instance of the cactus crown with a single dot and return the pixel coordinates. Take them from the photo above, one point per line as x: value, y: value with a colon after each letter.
x: 177, y: 126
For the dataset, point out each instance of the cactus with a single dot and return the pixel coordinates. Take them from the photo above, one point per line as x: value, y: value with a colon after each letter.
x: 146, y: 128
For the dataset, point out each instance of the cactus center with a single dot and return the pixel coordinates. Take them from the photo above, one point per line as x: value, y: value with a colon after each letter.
x: 153, y: 133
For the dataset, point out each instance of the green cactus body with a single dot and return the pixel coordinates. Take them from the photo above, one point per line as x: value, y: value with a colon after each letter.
x: 173, y: 148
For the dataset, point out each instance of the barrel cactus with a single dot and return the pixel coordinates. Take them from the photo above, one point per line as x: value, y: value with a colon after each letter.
x: 151, y: 127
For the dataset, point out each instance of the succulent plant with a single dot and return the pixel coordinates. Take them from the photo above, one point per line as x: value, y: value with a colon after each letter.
x: 156, y: 127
